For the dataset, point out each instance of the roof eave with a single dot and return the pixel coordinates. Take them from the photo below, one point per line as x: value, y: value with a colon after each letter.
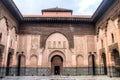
x: 10, y: 5
x: 56, y: 20
x: 104, y: 6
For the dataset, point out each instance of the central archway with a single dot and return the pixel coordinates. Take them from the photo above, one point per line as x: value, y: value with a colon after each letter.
x: 56, y: 65
x: 57, y: 61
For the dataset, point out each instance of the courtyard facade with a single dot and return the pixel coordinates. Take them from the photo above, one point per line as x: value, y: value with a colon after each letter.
x: 60, y: 43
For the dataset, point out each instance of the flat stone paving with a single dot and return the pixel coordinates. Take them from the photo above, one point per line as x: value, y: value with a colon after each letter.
x: 60, y: 78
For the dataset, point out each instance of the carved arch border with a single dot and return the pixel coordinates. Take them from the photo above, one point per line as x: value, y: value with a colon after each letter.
x: 67, y: 34
x: 57, y: 52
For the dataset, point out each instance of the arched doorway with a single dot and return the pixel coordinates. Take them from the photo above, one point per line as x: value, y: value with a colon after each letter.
x: 34, y: 64
x: 21, y: 65
x: 19, y: 62
x: 115, y: 56
x: 9, y: 62
x: 56, y: 65
x: 103, y: 56
x: 91, y: 63
x: 116, y: 62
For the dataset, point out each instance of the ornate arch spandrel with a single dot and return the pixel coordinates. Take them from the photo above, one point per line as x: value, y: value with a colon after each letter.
x: 67, y: 34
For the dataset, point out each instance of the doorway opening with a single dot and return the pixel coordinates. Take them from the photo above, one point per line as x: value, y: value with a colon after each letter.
x: 57, y: 70
x: 104, y: 63
x: 91, y: 62
x: 56, y: 65
x: 9, y: 62
x: 21, y: 65
x: 116, y: 62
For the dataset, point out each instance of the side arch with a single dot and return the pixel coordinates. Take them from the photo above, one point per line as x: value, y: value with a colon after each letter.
x: 34, y: 65
x: 21, y: 65
x: 115, y: 59
x: 9, y: 63
x: 104, y: 63
x: 34, y: 61
x: 92, y: 64
x: 80, y: 60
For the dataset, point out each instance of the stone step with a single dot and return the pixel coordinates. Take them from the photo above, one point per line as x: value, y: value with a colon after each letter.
x: 60, y: 78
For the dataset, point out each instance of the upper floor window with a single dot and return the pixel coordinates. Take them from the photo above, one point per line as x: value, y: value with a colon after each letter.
x: 112, y: 36
x: 0, y: 37
x: 59, y: 44
x: 49, y: 44
x: 11, y: 43
x: 102, y: 43
x: 64, y: 44
x: 54, y: 44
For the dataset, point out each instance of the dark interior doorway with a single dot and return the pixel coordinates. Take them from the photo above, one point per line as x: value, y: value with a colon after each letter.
x: 9, y: 62
x: 21, y: 65
x: 104, y: 63
x: 93, y: 64
x: 57, y: 70
x: 116, y: 59
x: 18, y: 68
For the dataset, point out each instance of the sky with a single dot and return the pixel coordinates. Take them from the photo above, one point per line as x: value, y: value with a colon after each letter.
x: 79, y: 7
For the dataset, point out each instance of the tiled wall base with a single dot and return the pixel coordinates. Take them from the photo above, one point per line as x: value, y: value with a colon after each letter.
x: 67, y: 71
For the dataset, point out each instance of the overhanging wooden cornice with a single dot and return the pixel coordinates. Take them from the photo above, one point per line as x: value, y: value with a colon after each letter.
x: 56, y: 20
x: 104, y: 6
x: 10, y: 5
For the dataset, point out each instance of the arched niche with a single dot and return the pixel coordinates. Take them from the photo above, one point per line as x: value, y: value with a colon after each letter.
x: 33, y: 65
x: 80, y: 61
x: 33, y: 61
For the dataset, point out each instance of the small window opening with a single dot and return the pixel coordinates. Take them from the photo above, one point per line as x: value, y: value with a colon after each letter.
x: 112, y: 37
